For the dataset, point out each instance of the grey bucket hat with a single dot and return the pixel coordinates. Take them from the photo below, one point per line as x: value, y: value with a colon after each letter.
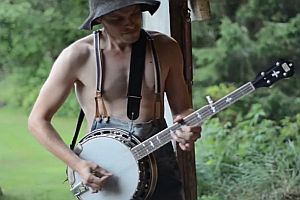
x: 99, y: 8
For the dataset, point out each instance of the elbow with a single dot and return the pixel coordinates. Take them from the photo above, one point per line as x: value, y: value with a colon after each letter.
x: 31, y: 123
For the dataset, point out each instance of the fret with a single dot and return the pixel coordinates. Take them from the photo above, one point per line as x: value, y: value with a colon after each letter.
x: 153, y: 143
x: 234, y: 96
x: 160, y: 139
x: 199, y: 115
x: 157, y: 138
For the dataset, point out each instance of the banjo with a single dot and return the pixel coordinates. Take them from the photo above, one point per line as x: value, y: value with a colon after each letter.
x: 131, y: 161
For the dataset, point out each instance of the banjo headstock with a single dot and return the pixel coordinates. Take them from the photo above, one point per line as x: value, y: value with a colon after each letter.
x: 280, y: 70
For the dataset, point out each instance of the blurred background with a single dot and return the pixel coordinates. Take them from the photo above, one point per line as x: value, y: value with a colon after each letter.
x: 250, y: 151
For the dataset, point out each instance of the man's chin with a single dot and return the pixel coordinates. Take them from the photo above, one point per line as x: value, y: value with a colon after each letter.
x: 131, y: 37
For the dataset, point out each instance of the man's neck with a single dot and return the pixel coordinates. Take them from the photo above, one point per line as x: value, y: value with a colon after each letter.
x: 114, y: 44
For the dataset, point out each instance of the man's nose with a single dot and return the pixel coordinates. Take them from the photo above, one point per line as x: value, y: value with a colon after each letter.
x: 130, y: 23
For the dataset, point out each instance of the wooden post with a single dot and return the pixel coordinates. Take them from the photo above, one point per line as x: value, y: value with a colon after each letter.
x: 180, y: 31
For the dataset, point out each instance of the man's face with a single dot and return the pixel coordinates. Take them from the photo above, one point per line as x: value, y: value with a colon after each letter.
x: 124, y: 24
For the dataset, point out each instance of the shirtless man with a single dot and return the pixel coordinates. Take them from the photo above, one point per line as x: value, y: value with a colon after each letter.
x: 76, y: 67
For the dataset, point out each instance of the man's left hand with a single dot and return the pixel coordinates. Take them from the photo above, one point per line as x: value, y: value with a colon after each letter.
x: 187, y: 135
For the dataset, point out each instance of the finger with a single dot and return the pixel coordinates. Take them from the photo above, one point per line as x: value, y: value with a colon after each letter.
x: 196, y: 136
x: 186, y: 146
x: 100, y: 178
x: 195, y: 132
x: 196, y: 129
x: 97, y: 185
x: 105, y: 173
x: 182, y: 147
x: 186, y: 128
x: 94, y: 185
x: 179, y: 119
x: 104, y: 179
x: 92, y: 179
x: 99, y: 171
x: 184, y: 133
x: 177, y: 138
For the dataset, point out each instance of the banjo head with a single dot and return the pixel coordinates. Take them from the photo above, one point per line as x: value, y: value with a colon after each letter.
x: 110, y: 149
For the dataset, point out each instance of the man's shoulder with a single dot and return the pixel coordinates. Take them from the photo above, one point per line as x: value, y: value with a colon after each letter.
x: 164, y: 42
x: 76, y: 54
x: 80, y: 48
x: 167, y: 47
x: 161, y: 38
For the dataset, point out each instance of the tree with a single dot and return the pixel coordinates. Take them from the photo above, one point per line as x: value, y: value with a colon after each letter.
x: 31, y: 42
x: 245, y: 144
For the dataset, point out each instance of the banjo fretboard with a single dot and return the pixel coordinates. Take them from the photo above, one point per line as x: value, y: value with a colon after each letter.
x: 160, y: 139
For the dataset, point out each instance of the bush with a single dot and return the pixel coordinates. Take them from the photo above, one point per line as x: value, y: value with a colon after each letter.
x: 249, y: 157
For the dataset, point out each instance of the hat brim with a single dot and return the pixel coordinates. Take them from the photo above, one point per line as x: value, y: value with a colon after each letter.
x: 150, y: 6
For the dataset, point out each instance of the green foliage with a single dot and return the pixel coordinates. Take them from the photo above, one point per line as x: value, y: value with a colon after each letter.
x: 238, y: 50
x: 251, y: 150
x: 31, y: 42
x: 256, y: 159
x: 270, y: 10
x: 230, y: 58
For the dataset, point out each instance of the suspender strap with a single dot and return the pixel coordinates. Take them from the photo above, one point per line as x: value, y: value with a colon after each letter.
x: 158, y: 106
x: 99, y: 87
x: 101, y: 111
x: 156, y: 65
x: 78, y: 126
x: 98, y: 60
x: 136, y: 74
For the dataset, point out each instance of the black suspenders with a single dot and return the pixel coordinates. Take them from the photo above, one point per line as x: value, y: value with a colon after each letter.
x: 136, y: 74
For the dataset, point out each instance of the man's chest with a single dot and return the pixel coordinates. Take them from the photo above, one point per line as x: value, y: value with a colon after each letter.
x: 116, y: 75
x: 113, y: 76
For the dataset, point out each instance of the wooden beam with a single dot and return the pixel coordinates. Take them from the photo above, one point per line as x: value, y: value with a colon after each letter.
x: 181, y: 31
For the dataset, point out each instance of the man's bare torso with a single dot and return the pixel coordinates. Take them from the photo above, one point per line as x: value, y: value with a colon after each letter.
x: 116, y: 66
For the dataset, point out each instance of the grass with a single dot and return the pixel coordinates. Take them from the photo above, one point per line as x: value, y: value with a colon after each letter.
x: 27, y: 170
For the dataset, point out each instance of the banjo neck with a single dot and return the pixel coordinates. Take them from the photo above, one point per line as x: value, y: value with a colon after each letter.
x: 160, y: 139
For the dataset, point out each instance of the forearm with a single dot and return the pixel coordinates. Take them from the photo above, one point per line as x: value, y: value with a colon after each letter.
x: 45, y: 133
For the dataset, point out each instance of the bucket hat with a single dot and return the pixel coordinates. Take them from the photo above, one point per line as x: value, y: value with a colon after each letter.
x: 99, y: 8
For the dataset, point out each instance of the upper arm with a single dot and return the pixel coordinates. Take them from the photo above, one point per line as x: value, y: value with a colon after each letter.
x: 58, y: 85
x: 175, y: 85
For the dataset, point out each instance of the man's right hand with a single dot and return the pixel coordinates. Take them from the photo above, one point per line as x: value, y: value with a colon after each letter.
x: 93, y: 175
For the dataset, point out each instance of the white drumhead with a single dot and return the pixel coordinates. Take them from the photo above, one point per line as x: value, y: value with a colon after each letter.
x: 115, y: 157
